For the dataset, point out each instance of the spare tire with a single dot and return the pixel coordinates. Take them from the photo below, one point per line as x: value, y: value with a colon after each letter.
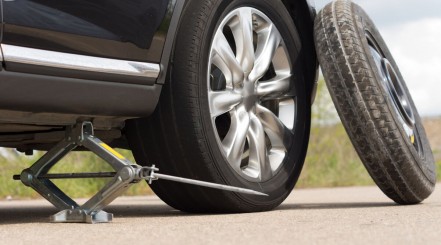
x: 374, y: 103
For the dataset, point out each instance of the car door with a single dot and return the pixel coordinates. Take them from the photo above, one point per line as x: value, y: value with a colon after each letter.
x: 1, y: 31
x: 132, y: 30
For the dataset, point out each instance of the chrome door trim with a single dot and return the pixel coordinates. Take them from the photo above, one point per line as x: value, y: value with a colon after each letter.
x: 54, y: 59
x: 1, y: 57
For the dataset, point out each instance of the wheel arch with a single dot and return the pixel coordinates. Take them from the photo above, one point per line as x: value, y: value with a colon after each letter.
x: 303, y: 15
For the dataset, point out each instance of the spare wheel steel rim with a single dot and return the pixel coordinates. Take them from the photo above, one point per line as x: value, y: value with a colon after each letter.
x: 393, y: 85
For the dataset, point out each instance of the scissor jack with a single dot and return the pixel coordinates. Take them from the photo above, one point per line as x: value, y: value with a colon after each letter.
x: 127, y: 174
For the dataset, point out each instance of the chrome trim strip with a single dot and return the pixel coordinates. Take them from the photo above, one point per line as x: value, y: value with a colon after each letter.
x: 1, y: 57
x: 40, y: 57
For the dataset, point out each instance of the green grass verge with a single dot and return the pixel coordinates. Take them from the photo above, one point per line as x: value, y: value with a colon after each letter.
x: 12, y: 163
x: 332, y: 161
x: 438, y: 173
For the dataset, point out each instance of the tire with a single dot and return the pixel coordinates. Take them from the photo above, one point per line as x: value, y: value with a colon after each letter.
x: 189, y: 132
x: 374, y: 103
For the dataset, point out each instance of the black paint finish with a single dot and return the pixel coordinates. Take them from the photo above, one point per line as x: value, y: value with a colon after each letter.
x: 1, y: 23
x: 48, y: 94
x: 122, y: 29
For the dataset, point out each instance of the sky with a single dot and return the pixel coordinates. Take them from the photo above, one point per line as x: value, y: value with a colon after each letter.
x: 412, y: 31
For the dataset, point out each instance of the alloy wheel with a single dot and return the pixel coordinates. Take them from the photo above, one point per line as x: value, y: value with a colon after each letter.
x: 250, y: 94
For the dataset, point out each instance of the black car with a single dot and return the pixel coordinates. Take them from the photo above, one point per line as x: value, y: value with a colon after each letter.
x: 213, y: 90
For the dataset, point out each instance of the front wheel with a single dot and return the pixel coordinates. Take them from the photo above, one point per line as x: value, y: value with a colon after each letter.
x: 235, y: 109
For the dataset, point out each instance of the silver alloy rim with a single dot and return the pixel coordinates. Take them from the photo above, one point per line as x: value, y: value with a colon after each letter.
x: 251, y: 100
x: 393, y: 85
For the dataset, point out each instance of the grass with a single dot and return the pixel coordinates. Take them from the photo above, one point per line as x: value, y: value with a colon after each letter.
x: 12, y: 162
x: 438, y: 169
x: 332, y: 161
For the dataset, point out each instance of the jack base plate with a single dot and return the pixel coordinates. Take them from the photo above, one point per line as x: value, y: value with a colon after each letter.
x: 79, y: 216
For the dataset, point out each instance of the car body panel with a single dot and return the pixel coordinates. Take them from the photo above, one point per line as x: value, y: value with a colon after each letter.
x: 129, y: 30
x: 1, y: 31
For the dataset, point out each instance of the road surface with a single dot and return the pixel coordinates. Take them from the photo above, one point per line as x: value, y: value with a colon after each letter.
x: 355, y: 215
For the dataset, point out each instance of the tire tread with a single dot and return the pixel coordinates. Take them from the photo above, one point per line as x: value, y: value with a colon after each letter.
x: 362, y: 106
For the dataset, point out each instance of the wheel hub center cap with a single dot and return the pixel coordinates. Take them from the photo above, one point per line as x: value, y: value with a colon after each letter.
x: 249, y: 95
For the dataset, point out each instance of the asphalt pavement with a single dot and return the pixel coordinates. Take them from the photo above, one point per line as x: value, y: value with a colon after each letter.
x: 354, y: 215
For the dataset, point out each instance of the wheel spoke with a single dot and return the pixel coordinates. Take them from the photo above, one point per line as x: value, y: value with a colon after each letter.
x: 276, y: 157
x: 279, y: 135
x: 268, y: 41
x: 234, y: 142
x: 258, y: 159
x: 274, y: 87
x: 224, y: 58
x: 242, y: 28
x: 223, y: 101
